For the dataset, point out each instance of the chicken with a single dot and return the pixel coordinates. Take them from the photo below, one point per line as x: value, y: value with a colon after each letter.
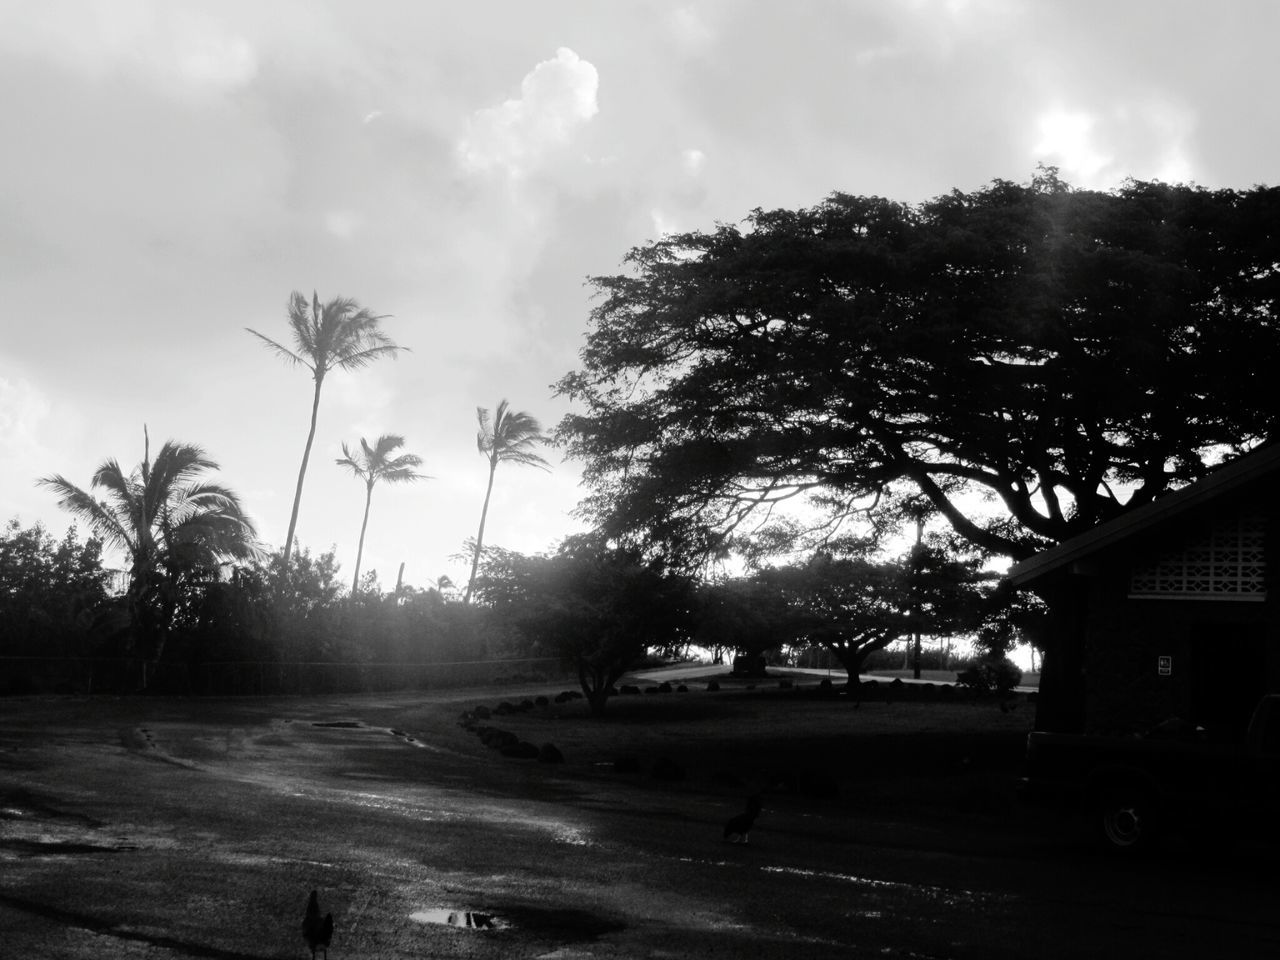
x: 737, y: 828
x: 317, y: 930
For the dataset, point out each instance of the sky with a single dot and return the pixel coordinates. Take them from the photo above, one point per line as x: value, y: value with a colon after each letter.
x: 172, y: 171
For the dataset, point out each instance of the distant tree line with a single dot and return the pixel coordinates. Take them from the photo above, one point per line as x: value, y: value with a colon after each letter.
x: 229, y: 627
x: 239, y: 626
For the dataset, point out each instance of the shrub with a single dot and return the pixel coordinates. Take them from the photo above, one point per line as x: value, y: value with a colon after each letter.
x: 990, y: 675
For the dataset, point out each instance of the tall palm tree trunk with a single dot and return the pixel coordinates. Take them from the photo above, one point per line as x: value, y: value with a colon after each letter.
x: 364, y: 525
x: 302, y: 474
x: 484, y: 513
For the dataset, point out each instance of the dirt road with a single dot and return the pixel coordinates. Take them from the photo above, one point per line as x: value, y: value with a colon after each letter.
x: 169, y: 828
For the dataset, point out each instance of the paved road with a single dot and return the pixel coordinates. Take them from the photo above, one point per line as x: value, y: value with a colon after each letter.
x: 167, y: 829
x: 700, y: 671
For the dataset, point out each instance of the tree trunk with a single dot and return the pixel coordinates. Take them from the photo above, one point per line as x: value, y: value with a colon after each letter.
x: 302, y: 473
x: 596, y: 682
x: 484, y: 513
x: 364, y: 525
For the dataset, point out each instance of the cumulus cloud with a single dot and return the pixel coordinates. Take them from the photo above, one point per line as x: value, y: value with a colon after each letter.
x: 1151, y: 135
x: 1067, y: 141
x: 556, y: 99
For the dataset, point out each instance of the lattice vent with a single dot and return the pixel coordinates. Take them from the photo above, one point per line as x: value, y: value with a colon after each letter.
x: 1226, y: 565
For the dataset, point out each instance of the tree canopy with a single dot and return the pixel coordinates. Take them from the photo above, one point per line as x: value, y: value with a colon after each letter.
x: 50, y: 591
x: 596, y: 607
x: 1063, y: 353
x: 170, y: 521
x: 855, y: 605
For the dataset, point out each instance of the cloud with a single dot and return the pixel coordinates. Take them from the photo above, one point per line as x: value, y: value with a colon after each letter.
x: 556, y: 99
x: 691, y: 29
x: 693, y: 160
x: 340, y: 224
x: 1143, y: 138
x: 23, y: 412
x: 1067, y: 140
x: 177, y: 50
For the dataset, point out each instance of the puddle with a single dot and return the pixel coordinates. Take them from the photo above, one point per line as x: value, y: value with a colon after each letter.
x: 340, y: 724
x: 463, y: 919
x: 947, y: 895
x: 536, y: 921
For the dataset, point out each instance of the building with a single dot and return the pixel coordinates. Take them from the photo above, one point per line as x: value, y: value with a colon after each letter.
x: 1169, y: 611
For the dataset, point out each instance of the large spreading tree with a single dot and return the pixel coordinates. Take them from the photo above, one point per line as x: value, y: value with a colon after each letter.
x: 1067, y: 354
x: 856, y: 605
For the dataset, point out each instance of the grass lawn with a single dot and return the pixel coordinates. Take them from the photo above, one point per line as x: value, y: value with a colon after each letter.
x: 945, y: 758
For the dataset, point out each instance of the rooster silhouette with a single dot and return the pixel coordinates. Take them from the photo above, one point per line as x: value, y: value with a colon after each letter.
x: 736, y: 828
x: 317, y: 930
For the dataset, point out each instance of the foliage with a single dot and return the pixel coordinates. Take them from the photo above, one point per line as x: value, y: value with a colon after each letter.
x: 372, y: 464
x: 749, y: 615
x: 1058, y: 351
x: 990, y: 674
x: 340, y: 335
x: 597, y: 607
x: 239, y: 629
x: 509, y: 437
x: 175, y: 527
x: 51, y: 592
x: 856, y: 605
x: 1011, y: 617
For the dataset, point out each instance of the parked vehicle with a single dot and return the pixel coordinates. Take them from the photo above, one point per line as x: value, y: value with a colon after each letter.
x: 1135, y: 789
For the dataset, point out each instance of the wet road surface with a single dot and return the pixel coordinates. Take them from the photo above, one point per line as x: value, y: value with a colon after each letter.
x: 164, y: 828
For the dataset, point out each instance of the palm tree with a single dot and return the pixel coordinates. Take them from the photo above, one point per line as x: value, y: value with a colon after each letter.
x: 169, y: 521
x: 372, y: 464
x: 508, y: 437
x: 340, y: 335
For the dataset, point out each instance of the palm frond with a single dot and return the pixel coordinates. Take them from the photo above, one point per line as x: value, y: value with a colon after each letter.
x: 355, y: 359
x: 383, y: 446
x: 401, y: 470
x: 281, y: 351
x: 375, y: 462
x: 176, y: 465
x: 510, y: 437
x: 348, y: 459
x: 99, y: 517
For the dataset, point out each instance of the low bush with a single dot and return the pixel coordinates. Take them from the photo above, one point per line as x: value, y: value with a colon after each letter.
x: 990, y: 675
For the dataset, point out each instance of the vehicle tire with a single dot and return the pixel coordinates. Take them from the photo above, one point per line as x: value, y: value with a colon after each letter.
x: 1126, y: 818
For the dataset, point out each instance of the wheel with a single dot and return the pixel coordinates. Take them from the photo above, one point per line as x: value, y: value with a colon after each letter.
x: 1126, y: 819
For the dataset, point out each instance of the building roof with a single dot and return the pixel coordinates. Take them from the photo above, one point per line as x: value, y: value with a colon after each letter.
x: 1243, y: 470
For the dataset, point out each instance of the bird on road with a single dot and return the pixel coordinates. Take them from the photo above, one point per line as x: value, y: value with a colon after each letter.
x: 737, y: 827
x: 317, y: 930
